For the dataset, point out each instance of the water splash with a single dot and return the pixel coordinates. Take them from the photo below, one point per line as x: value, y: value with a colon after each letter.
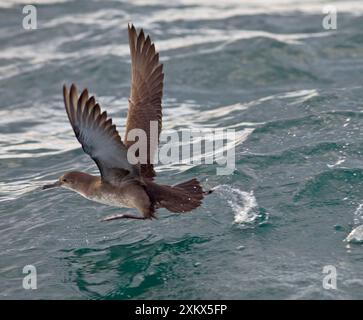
x: 356, y: 234
x: 358, y: 214
x: 243, y: 204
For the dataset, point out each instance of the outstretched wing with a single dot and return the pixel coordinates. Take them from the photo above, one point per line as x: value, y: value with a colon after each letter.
x: 146, y: 94
x: 97, y: 135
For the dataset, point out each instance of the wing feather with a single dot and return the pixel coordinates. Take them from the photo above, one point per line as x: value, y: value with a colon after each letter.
x: 146, y: 93
x: 98, y: 136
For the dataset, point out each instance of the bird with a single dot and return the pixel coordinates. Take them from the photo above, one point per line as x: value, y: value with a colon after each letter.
x: 121, y: 183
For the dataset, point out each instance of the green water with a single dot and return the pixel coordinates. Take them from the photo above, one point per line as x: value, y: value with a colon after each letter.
x: 292, y: 90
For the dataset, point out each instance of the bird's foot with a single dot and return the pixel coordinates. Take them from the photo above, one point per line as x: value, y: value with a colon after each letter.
x: 122, y: 216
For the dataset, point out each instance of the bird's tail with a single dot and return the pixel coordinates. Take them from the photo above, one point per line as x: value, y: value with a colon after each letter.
x: 182, y: 197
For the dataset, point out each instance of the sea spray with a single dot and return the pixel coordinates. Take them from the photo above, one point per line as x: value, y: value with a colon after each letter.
x: 243, y: 204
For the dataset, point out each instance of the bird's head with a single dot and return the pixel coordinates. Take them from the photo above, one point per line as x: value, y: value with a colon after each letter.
x: 71, y: 180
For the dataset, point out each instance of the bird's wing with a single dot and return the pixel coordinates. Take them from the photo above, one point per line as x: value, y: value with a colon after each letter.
x: 97, y: 135
x: 145, y: 96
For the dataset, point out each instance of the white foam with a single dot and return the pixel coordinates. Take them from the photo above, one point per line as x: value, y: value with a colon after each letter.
x: 337, y: 163
x: 243, y: 204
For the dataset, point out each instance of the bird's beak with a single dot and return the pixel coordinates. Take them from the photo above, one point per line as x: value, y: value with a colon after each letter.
x: 53, y: 185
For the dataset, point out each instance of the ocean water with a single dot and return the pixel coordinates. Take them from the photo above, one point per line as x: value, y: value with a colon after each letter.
x: 268, y: 69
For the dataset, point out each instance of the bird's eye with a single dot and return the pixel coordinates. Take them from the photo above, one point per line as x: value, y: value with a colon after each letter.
x: 65, y: 180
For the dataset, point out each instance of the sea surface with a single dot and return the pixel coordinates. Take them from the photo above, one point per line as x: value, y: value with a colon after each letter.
x: 289, y: 215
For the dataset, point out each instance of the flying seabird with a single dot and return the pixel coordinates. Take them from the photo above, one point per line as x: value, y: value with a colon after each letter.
x: 121, y: 183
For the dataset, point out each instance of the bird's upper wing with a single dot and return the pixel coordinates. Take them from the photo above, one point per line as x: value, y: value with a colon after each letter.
x: 146, y: 94
x: 97, y: 135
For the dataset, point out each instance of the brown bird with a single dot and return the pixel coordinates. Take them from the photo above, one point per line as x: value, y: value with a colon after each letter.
x: 122, y: 184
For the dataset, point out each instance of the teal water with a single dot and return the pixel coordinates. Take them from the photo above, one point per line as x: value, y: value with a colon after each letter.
x: 267, y: 69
